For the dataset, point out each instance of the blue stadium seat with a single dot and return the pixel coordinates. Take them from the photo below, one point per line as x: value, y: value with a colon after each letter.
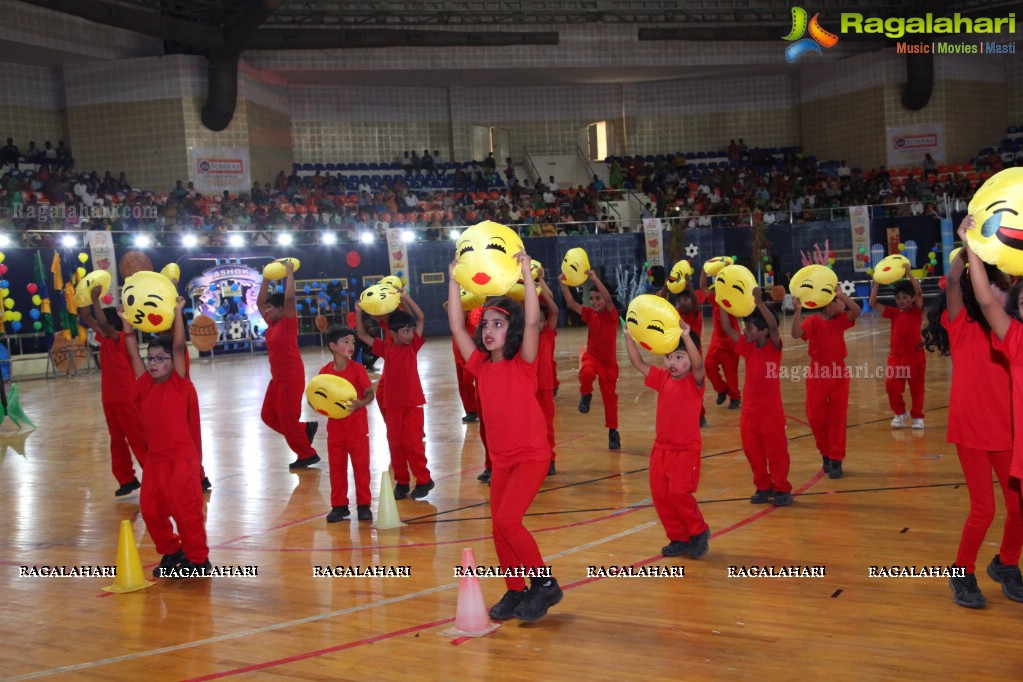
x: 330, y: 167
x: 319, y: 167
x: 296, y: 167
x: 307, y: 167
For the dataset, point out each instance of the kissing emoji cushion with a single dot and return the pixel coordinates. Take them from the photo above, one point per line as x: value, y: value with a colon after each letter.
x: 733, y: 290
x: 486, y: 259
x: 149, y: 299
x: 330, y: 395
x: 814, y: 285
x: 574, y: 266
x: 652, y: 322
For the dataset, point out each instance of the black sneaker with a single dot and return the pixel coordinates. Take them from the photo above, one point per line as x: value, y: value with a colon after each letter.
x: 338, y: 514
x: 422, y: 490
x: 721, y: 398
x: 826, y: 465
x: 614, y: 441
x: 188, y: 569
x: 543, y: 594
x: 836, y: 469
x: 364, y: 512
x: 698, y: 545
x: 1009, y: 578
x: 735, y: 404
x: 401, y: 491
x: 470, y: 417
x: 584, y: 403
x: 555, y: 391
x: 206, y: 485
x: 484, y: 477
x: 761, y: 496
x: 675, y: 548
x: 505, y: 609
x: 310, y: 430
x: 168, y: 562
x: 966, y: 591
x: 551, y: 470
x: 782, y: 499
x: 304, y: 463
x: 703, y: 421
x: 128, y: 488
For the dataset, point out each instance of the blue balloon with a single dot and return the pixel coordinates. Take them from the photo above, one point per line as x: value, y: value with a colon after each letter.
x: 333, y: 306
x: 334, y: 282
x: 308, y: 300
x: 355, y: 281
x: 4, y: 284
x: 16, y: 326
x: 280, y: 288
x: 235, y: 287
x: 34, y: 313
x: 306, y: 289
x: 298, y: 307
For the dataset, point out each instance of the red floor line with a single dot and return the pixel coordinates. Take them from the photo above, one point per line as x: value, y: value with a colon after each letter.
x: 416, y: 628
x: 797, y: 420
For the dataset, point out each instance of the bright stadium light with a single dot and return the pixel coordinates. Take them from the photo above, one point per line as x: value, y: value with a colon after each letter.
x: 235, y: 240
x: 69, y: 241
x: 454, y: 235
x: 408, y: 236
x: 142, y: 241
x: 366, y: 238
x: 189, y: 241
x: 284, y: 239
x: 5, y: 241
x: 328, y: 238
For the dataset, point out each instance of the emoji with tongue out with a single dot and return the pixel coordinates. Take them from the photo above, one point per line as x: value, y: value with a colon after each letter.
x: 733, y: 290
x: 814, y: 285
x: 149, y: 299
x: 652, y: 323
x: 996, y: 208
x: 486, y: 259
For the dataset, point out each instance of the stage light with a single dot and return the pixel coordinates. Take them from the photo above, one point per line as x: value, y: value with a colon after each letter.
x: 408, y: 236
x: 235, y: 240
x: 189, y: 240
x: 284, y: 239
x: 328, y: 238
x: 5, y: 241
x: 142, y: 241
x: 454, y: 235
x: 69, y: 241
x: 367, y: 238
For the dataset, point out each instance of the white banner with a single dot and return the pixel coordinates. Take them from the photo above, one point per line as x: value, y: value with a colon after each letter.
x: 101, y: 251
x: 907, y: 145
x: 214, y: 169
x: 859, y: 222
x: 397, y: 253
x: 653, y: 240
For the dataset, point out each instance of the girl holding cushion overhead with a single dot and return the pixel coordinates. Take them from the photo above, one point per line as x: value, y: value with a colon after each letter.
x: 827, y: 383
x: 722, y: 362
x: 906, y: 359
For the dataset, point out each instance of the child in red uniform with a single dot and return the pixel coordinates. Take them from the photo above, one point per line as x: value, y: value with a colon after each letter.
x: 545, y: 364
x: 282, y: 405
x: 688, y: 308
x: 466, y: 385
x: 599, y: 361
x: 503, y: 358
x: 348, y: 437
x: 1007, y: 338
x: 402, y: 402
x: 172, y: 488
x: 980, y: 425
x: 827, y: 384
x: 722, y: 360
x: 762, y: 422
x: 906, y: 359
x: 675, y: 457
x: 120, y: 397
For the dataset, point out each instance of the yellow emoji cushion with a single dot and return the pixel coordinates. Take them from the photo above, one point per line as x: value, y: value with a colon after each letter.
x: 486, y: 259
x: 275, y: 270
x: 380, y: 299
x: 330, y: 395
x: 996, y: 208
x: 518, y: 291
x: 83, y: 292
x: 470, y: 300
x: 149, y: 299
x: 814, y: 286
x: 574, y: 266
x: 891, y: 269
x: 393, y: 281
x: 172, y: 272
x: 676, y: 279
x: 652, y: 323
x: 733, y: 290
x: 714, y: 265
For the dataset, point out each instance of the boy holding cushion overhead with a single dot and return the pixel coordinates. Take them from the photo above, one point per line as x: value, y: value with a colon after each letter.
x: 722, y: 360
x: 907, y: 362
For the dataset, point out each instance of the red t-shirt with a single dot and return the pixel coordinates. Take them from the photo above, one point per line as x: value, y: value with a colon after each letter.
x: 164, y: 414
x: 761, y: 390
x: 516, y: 429
x: 117, y: 381
x: 545, y: 359
x: 718, y: 336
x: 678, y: 410
x: 826, y: 338
x: 694, y: 318
x: 1012, y: 347
x: 470, y: 327
x: 602, y: 337
x: 905, y: 328
x: 401, y: 372
x: 355, y: 373
x: 979, y: 410
x: 282, y: 347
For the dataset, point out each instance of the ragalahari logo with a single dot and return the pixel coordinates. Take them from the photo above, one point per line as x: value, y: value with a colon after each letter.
x: 818, y: 36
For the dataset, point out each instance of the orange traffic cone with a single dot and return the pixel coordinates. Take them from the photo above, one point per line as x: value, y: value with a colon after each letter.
x: 129, y: 566
x: 471, y: 619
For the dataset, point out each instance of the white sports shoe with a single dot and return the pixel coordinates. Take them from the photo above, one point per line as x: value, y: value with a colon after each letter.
x: 900, y: 421
x: 918, y: 424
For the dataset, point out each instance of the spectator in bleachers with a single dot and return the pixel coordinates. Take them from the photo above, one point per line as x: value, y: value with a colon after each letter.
x: 427, y: 162
x: 929, y: 165
x: 10, y: 154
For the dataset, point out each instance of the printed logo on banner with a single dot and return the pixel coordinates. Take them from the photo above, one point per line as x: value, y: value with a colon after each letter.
x: 819, y: 37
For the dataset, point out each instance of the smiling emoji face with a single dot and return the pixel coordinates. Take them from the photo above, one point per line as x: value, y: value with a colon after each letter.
x: 891, y: 269
x: 275, y: 270
x: 814, y: 286
x: 486, y: 259
x: 149, y: 299
x: 652, y: 323
x: 714, y: 265
x: 574, y: 266
x: 83, y: 292
x: 379, y: 299
x: 733, y: 290
x: 330, y: 395
x: 676, y: 279
x: 393, y: 281
x: 996, y: 208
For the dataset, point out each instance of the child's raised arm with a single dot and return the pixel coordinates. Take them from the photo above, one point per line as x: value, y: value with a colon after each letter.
x: 918, y: 294
x: 131, y: 345
x: 290, y: 305
x: 601, y: 289
x: 853, y: 308
x: 531, y: 305
x: 772, y: 323
x: 634, y: 356
x: 416, y: 311
x: 797, y: 318
x: 695, y: 359
x: 180, y: 350
x: 996, y: 317
x: 570, y: 301
x: 726, y: 325
x: 463, y: 341
x: 872, y: 301
x: 953, y: 281
x: 102, y: 326
x: 360, y: 327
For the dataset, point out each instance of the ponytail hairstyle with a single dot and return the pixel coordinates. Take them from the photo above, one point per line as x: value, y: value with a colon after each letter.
x: 935, y: 335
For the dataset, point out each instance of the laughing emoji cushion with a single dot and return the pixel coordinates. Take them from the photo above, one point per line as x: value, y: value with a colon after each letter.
x: 330, y: 395
x: 891, y: 269
x: 733, y: 290
x: 714, y: 265
x: 998, y: 235
x: 574, y: 266
x: 96, y: 278
x: 380, y: 299
x: 676, y: 279
x: 149, y: 299
x: 653, y: 324
x: 814, y: 286
x: 486, y: 259
x: 275, y: 270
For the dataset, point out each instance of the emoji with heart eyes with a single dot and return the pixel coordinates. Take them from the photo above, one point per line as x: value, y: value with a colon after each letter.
x: 486, y: 263
x: 814, y: 286
x: 676, y: 279
x: 733, y: 290
x: 149, y: 299
x: 996, y: 208
x: 652, y: 322
x: 331, y: 395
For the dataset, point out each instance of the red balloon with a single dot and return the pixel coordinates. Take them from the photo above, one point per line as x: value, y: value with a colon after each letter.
x: 32, y: 288
x: 350, y: 320
x: 108, y: 299
x: 942, y: 283
x: 3, y: 269
x: 353, y: 259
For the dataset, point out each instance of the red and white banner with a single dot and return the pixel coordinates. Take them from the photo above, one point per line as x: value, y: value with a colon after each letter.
x: 214, y: 169
x: 653, y: 240
x: 907, y: 145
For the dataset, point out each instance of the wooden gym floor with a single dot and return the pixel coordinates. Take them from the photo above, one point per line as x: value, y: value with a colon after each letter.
x: 902, y: 502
